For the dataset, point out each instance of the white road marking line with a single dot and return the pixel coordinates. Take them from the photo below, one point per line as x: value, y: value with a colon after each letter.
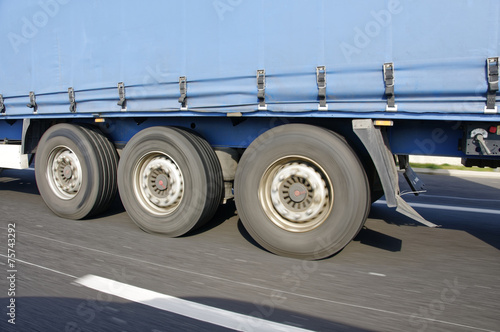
x: 447, y: 207
x: 454, y: 324
x: 182, y: 307
x: 41, y: 267
x: 377, y: 274
x: 462, y: 198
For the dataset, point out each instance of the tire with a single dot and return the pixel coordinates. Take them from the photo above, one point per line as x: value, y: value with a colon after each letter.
x: 109, y: 159
x: 72, y: 171
x: 301, y: 191
x: 170, y: 181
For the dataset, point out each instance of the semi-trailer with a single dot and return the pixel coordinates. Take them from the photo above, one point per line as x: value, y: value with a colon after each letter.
x: 299, y: 110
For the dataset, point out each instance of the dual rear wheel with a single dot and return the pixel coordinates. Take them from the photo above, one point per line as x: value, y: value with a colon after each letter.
x: 170, y: 180
x: 300, y: 190
x: 75, y: 168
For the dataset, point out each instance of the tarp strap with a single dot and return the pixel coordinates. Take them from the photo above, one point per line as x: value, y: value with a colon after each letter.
x: 183, y: 91
x: 32, y: 103
x: 321, y: 81
x: 2, y: 105
x: 389, y: 87
x: 121, y: 93
x: 261, y: 88
x: 72, y: 102
x: 492, y: 68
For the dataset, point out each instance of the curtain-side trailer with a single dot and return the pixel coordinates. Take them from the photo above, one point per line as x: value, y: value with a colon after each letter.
x: 294, y: 108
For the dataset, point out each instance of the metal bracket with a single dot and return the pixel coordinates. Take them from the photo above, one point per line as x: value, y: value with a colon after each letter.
x: 32, y: 103
x: 2, y: 105
x: 121, y: 94
x: 389, y: 87
x: 492, y: 72
x: 261, y: 87
x: 321, y: 81
x: 375, y: 142
x: 72, y: 102
x: 183, y: 90
x: 416, y: 184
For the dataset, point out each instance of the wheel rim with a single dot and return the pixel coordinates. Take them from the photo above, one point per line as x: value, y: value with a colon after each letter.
x: 296, y: 194
x: 64, y: 172
x: 158, y: 183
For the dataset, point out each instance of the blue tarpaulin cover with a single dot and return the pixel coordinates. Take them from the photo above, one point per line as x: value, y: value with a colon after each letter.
x: 439, y: 50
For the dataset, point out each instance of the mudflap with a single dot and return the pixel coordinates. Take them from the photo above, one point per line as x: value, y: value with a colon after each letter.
x: 375, y: 142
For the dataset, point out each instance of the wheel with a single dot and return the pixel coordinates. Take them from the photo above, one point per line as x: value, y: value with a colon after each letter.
x: 73, y: 171
x: 301, y: 191
x: 170, y: 181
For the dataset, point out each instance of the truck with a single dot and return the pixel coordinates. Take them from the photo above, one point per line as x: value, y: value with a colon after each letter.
x: 300, y: 111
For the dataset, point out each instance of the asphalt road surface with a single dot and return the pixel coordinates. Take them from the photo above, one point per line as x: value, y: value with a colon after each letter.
x: 105, y: 274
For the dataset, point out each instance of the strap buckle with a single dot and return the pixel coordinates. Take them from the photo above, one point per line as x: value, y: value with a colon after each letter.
x: 121, y: 93
x: 2, y: 105
x: 71, y: 96
x: 183, y: 91
x: 389, y: 81
x: 261, y: 88
x: 321, y: 81
x: 492, y: 65
x: 32, y: 103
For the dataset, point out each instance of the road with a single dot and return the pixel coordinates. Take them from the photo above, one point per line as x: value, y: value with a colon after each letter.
x: 105, y: 274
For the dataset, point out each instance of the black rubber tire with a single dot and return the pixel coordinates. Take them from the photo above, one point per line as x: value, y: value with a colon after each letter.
x: 109, y: 159
x: 351, y: 203
x: 214, y: 174
x: 90, y: 197
x: 201, y: 171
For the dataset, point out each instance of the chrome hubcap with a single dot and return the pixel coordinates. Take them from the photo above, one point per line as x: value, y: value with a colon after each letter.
x: 159, y: 183
x: 64, y: 172
x: 296, y: 194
